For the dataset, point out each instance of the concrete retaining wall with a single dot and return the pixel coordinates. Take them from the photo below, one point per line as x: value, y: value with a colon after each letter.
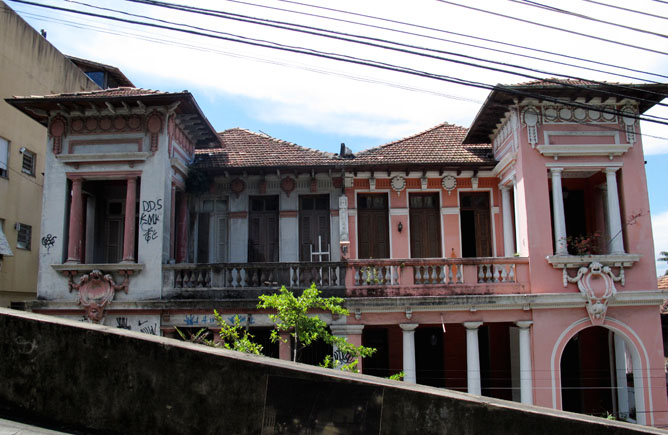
x: 95, y: 379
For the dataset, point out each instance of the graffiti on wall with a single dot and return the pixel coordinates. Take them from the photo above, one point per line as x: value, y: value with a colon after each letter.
x: 49, y: 241
x: 209, y: 319
x: 149, y: 219
x: 147, y: 326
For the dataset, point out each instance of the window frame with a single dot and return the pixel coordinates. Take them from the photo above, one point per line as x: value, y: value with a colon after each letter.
x: 32, y: 162
x: 4, y: 172
x: 23, y: 241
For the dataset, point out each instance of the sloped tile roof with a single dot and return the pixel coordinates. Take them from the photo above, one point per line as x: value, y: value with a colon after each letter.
x: 662, y: 282
x: 104, y: 93
x: 246, y: 149
x: 438, y: 145
x: 554, y: 81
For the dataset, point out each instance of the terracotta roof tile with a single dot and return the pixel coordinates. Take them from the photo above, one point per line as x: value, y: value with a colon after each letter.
x: 438, y: 145
x: 104, y: 93
x: 554, y: 81
x: 662, y: 282
x: 243, y: 148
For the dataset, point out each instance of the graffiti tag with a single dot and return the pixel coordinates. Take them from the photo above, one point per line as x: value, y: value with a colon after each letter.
x: 149, y: 218
x: 49, y: 241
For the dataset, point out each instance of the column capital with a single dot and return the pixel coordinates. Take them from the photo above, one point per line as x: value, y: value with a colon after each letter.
x: 408, y: 327
x: 346, y: 329
x: 555, y: 171
x: 472, y: 325
x: 524, y: 324
x: 610, y: 170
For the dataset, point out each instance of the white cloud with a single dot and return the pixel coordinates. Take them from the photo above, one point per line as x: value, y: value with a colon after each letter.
x: 325, y: 101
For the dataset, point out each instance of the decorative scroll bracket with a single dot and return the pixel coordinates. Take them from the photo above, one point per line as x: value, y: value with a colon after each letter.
x: 96, y: 291
x: 597, y: 284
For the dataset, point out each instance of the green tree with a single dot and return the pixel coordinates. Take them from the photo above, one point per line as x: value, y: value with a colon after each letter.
x: 294, y: 315
x: 232, y: 337
x: 663, y: 256
x: 236, y: 337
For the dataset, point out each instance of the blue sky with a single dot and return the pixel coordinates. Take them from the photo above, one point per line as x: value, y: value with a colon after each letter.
x: 319, y: 103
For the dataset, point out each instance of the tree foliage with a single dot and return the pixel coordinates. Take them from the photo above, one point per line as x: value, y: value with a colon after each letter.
x: 236, y: 337
x: 294, y: 315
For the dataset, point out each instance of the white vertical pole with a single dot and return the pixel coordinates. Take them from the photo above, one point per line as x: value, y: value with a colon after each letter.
x: 472, y: 358
x: 558, y: 210
x: 526, y: 372
x: 616, y: 244
x: 408, y: 330
x: 508, y: 239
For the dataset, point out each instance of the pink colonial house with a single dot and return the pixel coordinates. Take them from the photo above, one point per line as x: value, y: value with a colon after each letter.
x: 512, y: 259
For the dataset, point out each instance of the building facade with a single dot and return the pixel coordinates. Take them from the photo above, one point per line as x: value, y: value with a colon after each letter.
x: 512, y: 259
x: 29, y: 65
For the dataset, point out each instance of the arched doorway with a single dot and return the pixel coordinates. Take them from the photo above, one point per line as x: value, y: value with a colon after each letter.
x: 597, y: 376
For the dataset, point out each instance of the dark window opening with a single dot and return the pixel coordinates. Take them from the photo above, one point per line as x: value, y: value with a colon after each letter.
x: 314, y: 234
x: 263, y: 229
x: 373, y: 226
x: 476, y: 230
x: 425, y: 218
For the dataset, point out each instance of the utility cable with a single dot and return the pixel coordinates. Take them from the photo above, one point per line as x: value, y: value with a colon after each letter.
x: 522, y: 47
x: 361, y: 61
x: 647, y: 14
x: 584, y: 17
x: 547, y: 26
x: 348, y: 38
x: 305, y: 68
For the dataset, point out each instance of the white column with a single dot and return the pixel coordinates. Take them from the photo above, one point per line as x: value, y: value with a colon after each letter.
x: 518, y: 231
x: 508, y: 238
x: 616, y: 244
x: 409, y: 351
x: 526, y: 372
x: 353, y: 335
x: 620, y: 369
x: 472, y: 357
x: 558, y: 210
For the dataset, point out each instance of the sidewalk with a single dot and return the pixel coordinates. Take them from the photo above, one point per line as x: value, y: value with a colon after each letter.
x: 8, y: 427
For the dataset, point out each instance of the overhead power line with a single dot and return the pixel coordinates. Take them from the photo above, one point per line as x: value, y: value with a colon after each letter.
x: 547, y: 26
x: 521, y: 47
x: 376, y: 42
x: 452, y: 41
x: 359, y: 61
x: 585, y: 17
x: 647, y: 14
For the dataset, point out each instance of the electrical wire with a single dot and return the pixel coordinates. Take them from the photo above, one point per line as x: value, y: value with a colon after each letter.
x: 647, y: 14
x: 341, y: 36
x: 584, y: 17
x: 325, y: 72
x: 359, y: 61
x: 522, y: 47
x: 547, y: 26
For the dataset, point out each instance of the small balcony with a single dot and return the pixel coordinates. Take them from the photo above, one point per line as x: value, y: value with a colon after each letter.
x: 437, y: 277
x: 249, y: 280
x: 354, y: 278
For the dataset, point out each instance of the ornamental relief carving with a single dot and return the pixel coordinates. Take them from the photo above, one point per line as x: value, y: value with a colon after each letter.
x: 597, y: 285
x: 106, y: 124
x: 553, y: 114
x: 96, y: 291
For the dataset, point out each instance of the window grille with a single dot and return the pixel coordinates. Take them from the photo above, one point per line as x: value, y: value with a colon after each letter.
x: 28, y: 166
x: 24, y: 236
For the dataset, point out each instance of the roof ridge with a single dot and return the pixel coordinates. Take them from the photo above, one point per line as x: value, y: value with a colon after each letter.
x: 280, y: 141
x: 550, y: 81
x: 443, y: 124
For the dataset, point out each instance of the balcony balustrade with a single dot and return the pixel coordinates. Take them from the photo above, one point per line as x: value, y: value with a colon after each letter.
x: 438, y: 276
x: 354, y: 278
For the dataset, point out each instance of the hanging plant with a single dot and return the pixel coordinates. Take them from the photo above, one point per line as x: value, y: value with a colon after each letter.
x: 197, y: 182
